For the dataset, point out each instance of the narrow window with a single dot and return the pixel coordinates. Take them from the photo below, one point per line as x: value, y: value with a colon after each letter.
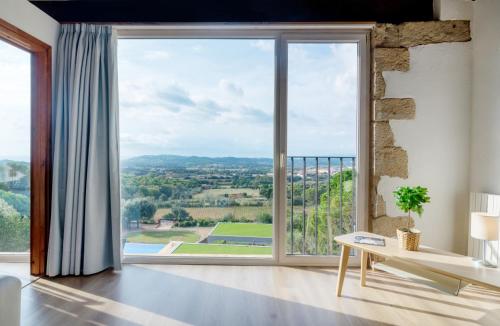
x: 15, y: 135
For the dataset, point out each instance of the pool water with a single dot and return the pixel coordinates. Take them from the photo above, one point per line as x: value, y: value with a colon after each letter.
x: 142, y: 248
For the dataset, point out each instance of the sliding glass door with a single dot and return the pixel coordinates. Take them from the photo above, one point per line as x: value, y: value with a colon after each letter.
x: 242, y: 145
x: 323, y: 128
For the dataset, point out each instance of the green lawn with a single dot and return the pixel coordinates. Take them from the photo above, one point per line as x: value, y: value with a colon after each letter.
x: 244, y: 229
x: 162, y: 236
x: 220, y: 192
x: 223, y: 249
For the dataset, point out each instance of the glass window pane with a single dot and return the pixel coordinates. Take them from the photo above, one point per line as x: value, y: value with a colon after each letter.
x: 321, y: 138
x: 15, y: 133
x: 196, y: 124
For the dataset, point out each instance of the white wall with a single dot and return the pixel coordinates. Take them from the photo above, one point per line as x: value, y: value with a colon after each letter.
x: 30, y: 19
x: 437, y: 141
x: 485, y: 149
x: 453, y: 9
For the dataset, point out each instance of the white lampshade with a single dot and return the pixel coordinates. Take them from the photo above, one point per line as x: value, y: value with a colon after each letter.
x: 484, y: 226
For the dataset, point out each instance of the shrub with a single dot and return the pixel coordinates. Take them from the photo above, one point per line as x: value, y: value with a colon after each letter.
x: 264, y: 217
x: 229, y: 217
x: 169, y: 217
x: 186, y: 224
x: 207, y: 222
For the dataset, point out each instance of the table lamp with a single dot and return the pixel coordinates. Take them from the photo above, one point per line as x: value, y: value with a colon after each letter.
x: 484, y: 227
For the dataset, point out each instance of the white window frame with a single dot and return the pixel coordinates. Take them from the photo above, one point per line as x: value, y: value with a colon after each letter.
x: 282, y: 34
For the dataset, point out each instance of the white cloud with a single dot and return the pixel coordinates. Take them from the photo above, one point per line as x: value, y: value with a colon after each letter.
x: 231, y: 87
x: 197, y: 48
x: 263, y: 45
x: 156, y: 55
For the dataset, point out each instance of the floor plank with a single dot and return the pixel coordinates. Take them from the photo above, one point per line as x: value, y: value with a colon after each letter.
x: 248, y: 295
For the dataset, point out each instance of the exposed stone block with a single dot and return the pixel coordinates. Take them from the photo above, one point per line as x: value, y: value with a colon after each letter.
x: 385, y: 36
x: 378, y: 86
x: 373, y: 186
x: 394, y: 109
x: 387, y: 226
x: 382, y: 135
x: 392, y: 162
x: 379, y: 206
x: 390, y: 59
x: 420, y: 33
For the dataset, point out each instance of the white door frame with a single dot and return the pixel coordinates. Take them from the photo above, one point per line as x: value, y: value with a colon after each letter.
x: 362, y: 151
x: 281, y: 33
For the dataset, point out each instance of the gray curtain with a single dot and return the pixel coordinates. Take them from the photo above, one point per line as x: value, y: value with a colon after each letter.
x: 85, y: 221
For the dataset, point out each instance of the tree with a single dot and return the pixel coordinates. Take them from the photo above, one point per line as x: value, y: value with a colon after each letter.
x: 166, y: 191
x: 333, y: 218
x: 14, y: 229
x: 139, y: 208
x: 178, y: 214
x: 20, y: 203
x: 266, y: 190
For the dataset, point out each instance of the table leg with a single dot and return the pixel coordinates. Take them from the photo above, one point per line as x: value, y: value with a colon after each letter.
x: 344, y: 259
x: 364, y: 262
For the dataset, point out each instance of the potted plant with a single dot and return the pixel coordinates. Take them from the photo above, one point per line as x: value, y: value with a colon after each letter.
x: 410, y: 199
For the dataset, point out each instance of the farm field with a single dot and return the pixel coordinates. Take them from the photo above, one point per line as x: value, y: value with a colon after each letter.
x: 224, y: 249
x: 244, y: 229
x: 219, y: 192
x: 214, y: 213
x: 162, y: 236
x: 239, y: 212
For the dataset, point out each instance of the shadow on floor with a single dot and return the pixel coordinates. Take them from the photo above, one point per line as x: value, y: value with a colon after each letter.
x: 138, y: 290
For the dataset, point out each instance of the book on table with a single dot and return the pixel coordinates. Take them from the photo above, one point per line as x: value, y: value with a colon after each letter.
x: 370, y: 240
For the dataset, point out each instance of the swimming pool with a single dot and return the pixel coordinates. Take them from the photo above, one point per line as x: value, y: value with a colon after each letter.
x: 142, y: 248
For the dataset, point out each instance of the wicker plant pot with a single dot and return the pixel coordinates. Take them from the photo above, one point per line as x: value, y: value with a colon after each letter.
x: 408, y: 240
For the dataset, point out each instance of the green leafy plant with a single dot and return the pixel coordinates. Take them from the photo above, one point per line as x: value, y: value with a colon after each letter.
x: 411, y: 199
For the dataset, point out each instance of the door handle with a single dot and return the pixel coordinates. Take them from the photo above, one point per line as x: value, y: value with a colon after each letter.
x: 282, y: 160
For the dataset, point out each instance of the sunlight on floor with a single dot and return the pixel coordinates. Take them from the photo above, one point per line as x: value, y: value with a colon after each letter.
x: 249, y: 295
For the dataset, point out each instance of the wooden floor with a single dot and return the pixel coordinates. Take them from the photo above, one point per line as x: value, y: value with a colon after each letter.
x: 242, y: 295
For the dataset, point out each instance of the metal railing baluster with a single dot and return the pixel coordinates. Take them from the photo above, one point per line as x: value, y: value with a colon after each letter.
x: 291, y: 217
x: 354, y: 190
x: 316, y: 207
x: 304, y: 208
x: 328, y: 216
x: 341, y: 195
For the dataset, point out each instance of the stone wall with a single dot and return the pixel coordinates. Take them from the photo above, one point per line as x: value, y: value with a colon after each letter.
x: 390, y: 44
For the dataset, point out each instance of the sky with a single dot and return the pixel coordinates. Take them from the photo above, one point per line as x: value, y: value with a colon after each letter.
x: 216, y: 97
x: 208, y: 98
x: 14, y: 103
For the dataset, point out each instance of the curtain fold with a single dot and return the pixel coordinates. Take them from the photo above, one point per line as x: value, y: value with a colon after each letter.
x: 85, y: 219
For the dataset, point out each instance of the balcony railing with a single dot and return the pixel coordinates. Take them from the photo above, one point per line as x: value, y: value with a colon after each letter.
x: 321, y: 203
